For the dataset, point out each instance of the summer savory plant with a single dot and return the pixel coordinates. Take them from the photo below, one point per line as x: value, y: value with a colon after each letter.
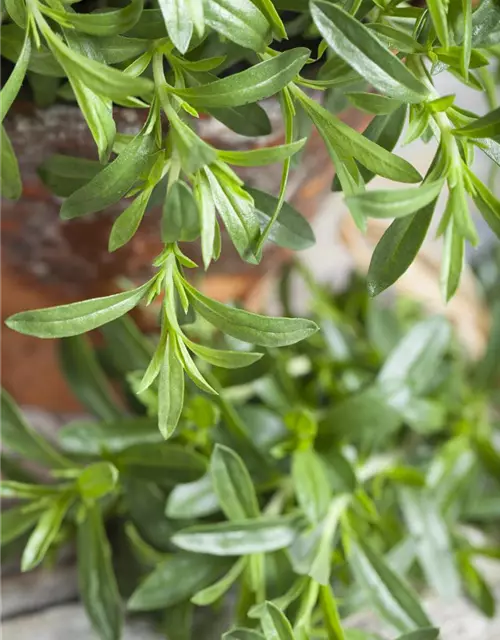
x: 329, y: 477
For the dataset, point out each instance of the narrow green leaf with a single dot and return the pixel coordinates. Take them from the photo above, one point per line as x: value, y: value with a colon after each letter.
x: 251, y: 327
x: 265, y: 155
x: 273, y: 17
x: 63, y: 175
x: 96, y: 578
x: 466, y: 49
x: 394, y: 203
x: 17, y: 12
x: 97, y: 480
x: 161, y: 462
x: 11, y: 87
x: 206, y: 209
x: 45, y: 532
x: 16, y: 521
x: 452, y: 261
x: 211, y: 594
x: 11, y: 186
x: 358, y: 46
x: 225, y: 359
x: 102, y: 23
x: 259, y: 535
x: 86, y: 378
x: 311, y: 484
x: 486, y: 24
x: 373, y: 102
x: 127, y: 223
x: 247, y: 120
x: 487, y: 203
x: 476, y: 587
x: 388, y: 593
x: 192, y: 500
x: 438, y: 10
x: 275, y: 624
x: 19, y: 437
x: 487, y: 126
x: 76, y: 318
x: 330, y: 614
x: 114, y: 181
x: 191, y: 369
x: 397, y: 248
x: 291, y: 230
x: 432, y: 540
x: 233, y: 485
x: 240, y: 633
x: 176, y: 580
x: 180, y: 218
x: 430, y: 633
x: 374, y: 157
x: 93, y: 438
x: 178, y: 21
x: 396, y: 38
x: 28, y: 490
x: 260, y: 81
x: 240, y: 22
x: 170, y: 391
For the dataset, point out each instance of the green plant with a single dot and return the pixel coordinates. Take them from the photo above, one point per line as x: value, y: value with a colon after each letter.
x: 165, y: 60
x: 322, y: 479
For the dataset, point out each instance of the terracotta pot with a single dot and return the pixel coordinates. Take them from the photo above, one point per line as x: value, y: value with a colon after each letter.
x: 46, y: 261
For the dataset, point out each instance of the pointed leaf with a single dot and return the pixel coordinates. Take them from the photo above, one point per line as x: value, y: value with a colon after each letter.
x: 275, y: 624
x: 241, y: 22
x: 225, y: 359
x: 13, y: 84
x: 127, y: 223
x: 11, y: 186
x: 214, y: 592
x: 178, y: 22
x: 192, y: 500
x: 233, y: 485
x: 103, y: 23
x: 265, y: 155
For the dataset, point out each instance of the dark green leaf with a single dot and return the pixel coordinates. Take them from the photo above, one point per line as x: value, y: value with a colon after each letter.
x: 225, y: 359
x: 438, y: 10
x: 262, y: 156
x: 291, y: 230
x: 76, y: 318
x: 242, y: 634
x: 260, y: 81
x: 388, y: 593
x: 178, y: 22
x: 476, y: 586
x: 11, y: 87
x: 330, y: 613
x: 247, y: 120
x: 373, y: 102
x: 11, y: 186
x: 396, y: 38
x: 128, y: 221
x: 45, y: 532
x: 18, y: 436
x: 86, y: 378
x: 275, y: 624
x: 192, y: 500
x: 96, y: 578
x: 487, y: 126
x: 170, y: 390
x: 114, y: 181
x: 452, y: 262
x: 251, y: 327
x: 430, y: 633
x: 356, y: 44
x: 487, y: 203
x: 97, y: 480
x: 180, y: 219
x: 103, y: 23
x: 16, y: 521
x: 65, y: 174
x: 176, y: 580
x: 211, y: 594
x: 233, y: 485
x: 162, y: 462
x: 238, y: 538
x: 397, y: 248
x: 145, y: 502
x: 241, y: 22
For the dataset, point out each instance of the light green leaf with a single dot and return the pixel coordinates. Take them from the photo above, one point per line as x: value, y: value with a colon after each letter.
x: 487, y: 203
x: 396, y: 38
x: 180, y: 218
x: 45, y: 532
x: 206, y: 209
x: 93, y: 438
x: 374, y: 157
x: 388, y: 593
x: 19, y: 437
x: 11, y: 186
x: 127, y: 223
x: 432, y: 541
x: 178, y: 21
x: 273, y: 17
x: 194, y: 153
x: 397, y: 248
x: 86, y: 378
x: 170, y: 390
x: 214, y: 592
x: 259, y: 535
x: 260, y: 81
x: 330, y: 613
x: 265, y: 155
x: 430, y: 633
x: 373, y: 102
x: 358, y: 46
x: 311, y: 484
x: 240, y: 633
x: 76, y: 318
x: 291, y: 230
x: 176, y: 580
x: 275, y: 624
x: 486, y: 24
x: 241, y: 22
x: 247, y: 120
x: 13, y: 84
x: 16, y: 521
x: 222, y: 358
x: 191, y: 369
x: 97, y: 480
x: 452, y: 261
x: 251, y: 327
x: 16, y: 11
x: 192, y: 500
x: 487, y: 126
x: 394, y: 203
x: 114, y: 181
x: 466, y: 49
x: 102, y: 23
x: 96, y: 578
x: 233, y: 485
x: 438, y: 10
